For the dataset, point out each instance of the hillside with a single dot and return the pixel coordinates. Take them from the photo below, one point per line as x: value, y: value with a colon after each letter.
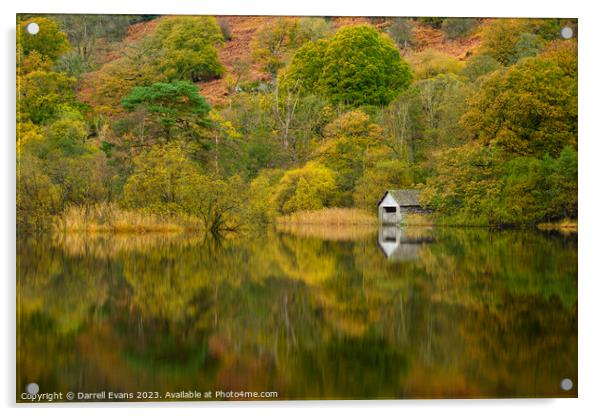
x: 244, y: 29
x: 231, y: 121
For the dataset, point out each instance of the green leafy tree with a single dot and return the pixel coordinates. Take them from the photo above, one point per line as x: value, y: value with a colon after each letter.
x: 252, y: 115
x: 402, y: 124
x: 538, y: 190
x: 443, y: 100
x: 297, y: 118
x: 464, y: 187
x: 68, y: 134
x: 305, y: 70
x: 70, y: 160
x: 187, y: 45
x: 83, y: 179
x: 277, y: 39
x: 425, y: 119
x: 357, y: 66
x: 363, y: 66
x: 177, y: 105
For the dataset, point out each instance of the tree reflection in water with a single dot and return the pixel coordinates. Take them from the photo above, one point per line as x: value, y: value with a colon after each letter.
x: 460, y: 313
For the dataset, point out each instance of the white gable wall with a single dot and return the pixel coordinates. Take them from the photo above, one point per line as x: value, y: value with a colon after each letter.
x: 388, y: 201
x: 389, y: 217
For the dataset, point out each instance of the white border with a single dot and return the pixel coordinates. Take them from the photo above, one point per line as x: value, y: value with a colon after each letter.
x: 590, y: 139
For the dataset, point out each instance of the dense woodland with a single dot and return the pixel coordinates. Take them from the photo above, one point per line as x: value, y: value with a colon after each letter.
x: 117, y: 119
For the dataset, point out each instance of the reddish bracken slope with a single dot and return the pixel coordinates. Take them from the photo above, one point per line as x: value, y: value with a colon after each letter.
x: 244, y: 28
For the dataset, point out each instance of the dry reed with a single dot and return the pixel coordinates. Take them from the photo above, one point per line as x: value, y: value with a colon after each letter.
x: 330, y: 217
x: 565, y: 226
x: 110, y: 218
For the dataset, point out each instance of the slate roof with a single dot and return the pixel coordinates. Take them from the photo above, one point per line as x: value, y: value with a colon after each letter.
x: 404, y: 197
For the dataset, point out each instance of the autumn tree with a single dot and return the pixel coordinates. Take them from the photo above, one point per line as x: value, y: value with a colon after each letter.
x: 162, y: 180
x: 310, y: 187
x: 166, y: 181
x: 430, y: 63
x: 347, y: 138
x: 85, y: 31
x: 49, y: 42
x: 221, y: 203
x: 381, y: 175
x: 42, y: 95
x: 457, y: 27
x: 479, y: 65
x: 262, y: 209
x: 72, y: 64
x: 527, y: 109
x: 507, y: 40
x: 464, y: 187
x: 481, y: 185
x: 402, y: 125
x: 310, y: 29
x: 400, y: 31
x: 272, y: 42
x: 38, y: 198
x: 297, y: 116
x: 443, y: 102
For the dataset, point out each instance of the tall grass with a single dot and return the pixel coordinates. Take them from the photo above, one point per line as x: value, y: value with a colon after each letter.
x: 329, y: 216
x: 110, y: 218
x: 340, y: 224
x: 416, y: 219
x: 565, y: 226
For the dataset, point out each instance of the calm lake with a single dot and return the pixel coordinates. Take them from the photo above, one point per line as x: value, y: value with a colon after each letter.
x: 308, y: 313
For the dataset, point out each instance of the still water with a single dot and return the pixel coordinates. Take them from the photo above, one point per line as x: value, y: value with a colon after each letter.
x: 308, y: 313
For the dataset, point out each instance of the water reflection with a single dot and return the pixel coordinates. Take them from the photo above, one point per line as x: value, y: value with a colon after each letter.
x: 461, y: 313
x: 402, y: 244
